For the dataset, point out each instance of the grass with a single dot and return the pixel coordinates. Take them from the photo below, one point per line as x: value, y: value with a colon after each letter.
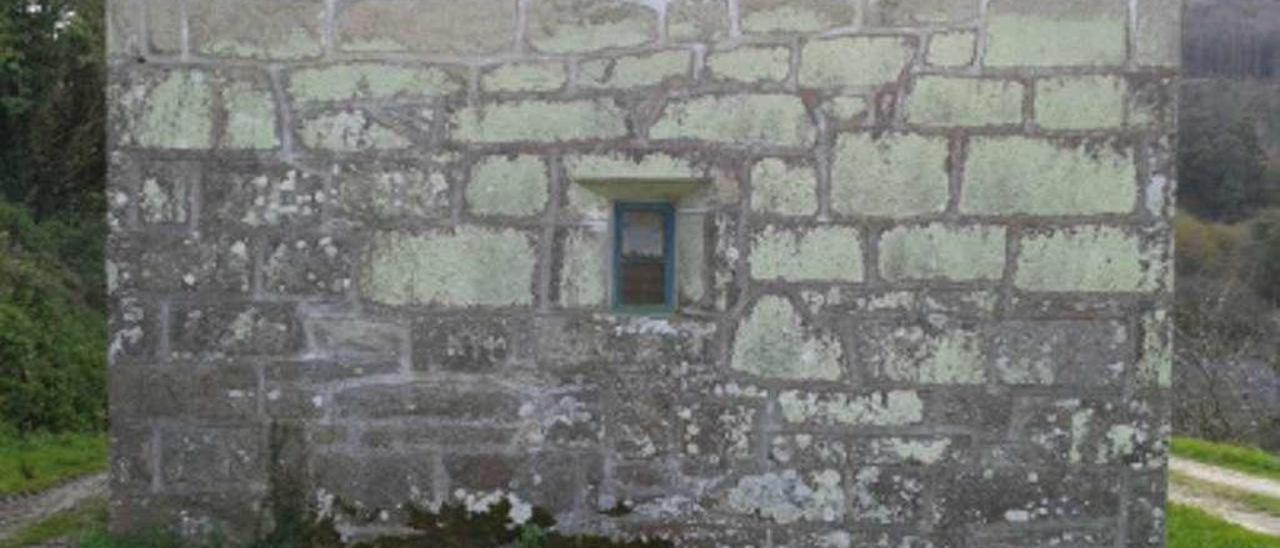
x: 1251, y: 501
x: 1248, y: 460
x: 1193, y: 528
x: 90, y: 516
x: 39, y: 462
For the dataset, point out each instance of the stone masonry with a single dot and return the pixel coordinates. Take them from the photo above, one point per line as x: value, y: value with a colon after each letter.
x: 359, y: 253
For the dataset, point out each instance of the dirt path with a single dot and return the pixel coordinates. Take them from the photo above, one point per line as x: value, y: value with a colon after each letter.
x: 21, y: 513
x: 1230, y: 510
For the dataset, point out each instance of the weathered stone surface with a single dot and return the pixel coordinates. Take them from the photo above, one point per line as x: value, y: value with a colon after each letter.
x: 469, y: 267
x: 939, y: 251
x: 951, y: 49
x: 485, y: 26
x: 697, y: 20
x: 635, y: 70
x: 751, y: 64
x: 572, y: 26
x: 783, y: 189
x: 858, y: 62
x: 923, y: 354
x: 1085, y: 259
x: 1085, y: 102
x: 508, y: 186
x: 946, y: 101
x: 365, y: 248
x: 539, y: 121
x: 779, y: 120
x: 290, y: 29
x: 894, y: 175
x: 1067, y: 33
x: 371, y: 81
x: 773, y: 341
x: 820, y: 253
x: 765, y: 16
x: 1019, y: 175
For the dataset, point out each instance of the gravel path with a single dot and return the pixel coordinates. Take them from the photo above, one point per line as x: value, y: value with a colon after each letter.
x: 23, y: 512
x: 1224, y: 508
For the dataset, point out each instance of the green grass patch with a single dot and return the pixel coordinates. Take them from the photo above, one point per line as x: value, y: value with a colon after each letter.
x: 92, y: 515
x: 1194, y: 528
x: 1247, y: 501
x: 39, y: 462
x: 1248, y: 460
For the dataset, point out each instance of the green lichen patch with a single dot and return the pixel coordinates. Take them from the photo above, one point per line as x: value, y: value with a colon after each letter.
x: 1012, y: 175
x: 773, y: 342
x: 1060, y: 33
x: 821, y: 253
x: 1087, y: 258
x: 576, y: 26
x: 918, y: 355
x: 584, y: 270
x: 938, y: 251
x: 469, y: 267
x: 783, y: 189
x: 283, y: 29
x: 947, y: 101
x: 1081, y: 102
x: 779, y: 120
x: 858, y: 62
x: 894, y: 175
x: 508, y: 186
x: 791, y: 16
x: 893, y: 408
x: 540, y: 121
x: 635, y: 70
x: 171, y: 110
x: 751, y: 64
x: 535, y: 76
x: 349, y: 131
x: 951, y: 49
x: 251, y: 117
x: 370, y: 81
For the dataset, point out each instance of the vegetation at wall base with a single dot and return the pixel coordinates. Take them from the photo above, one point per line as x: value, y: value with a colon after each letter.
x: 38, y: 462
x: 1194, y: 528
x: 1248, y: 460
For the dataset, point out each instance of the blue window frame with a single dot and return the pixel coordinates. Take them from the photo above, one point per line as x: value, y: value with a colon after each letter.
x: 644, y: 257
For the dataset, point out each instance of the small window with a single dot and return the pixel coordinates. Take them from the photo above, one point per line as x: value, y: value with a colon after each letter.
x: 643, y: 258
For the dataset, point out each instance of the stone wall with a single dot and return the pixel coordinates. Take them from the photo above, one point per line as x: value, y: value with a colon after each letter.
x: 923, y: 286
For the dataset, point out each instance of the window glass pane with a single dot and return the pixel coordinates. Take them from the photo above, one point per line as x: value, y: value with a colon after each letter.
x: 643, y: 261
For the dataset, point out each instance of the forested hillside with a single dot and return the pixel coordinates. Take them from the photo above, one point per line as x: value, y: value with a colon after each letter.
x: 1232, y: 38
x: 52, y: 227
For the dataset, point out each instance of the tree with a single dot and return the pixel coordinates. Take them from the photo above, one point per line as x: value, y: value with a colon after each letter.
x: 1221, y: 164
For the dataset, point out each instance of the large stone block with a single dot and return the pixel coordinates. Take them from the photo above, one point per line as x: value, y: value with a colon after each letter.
x: 788, y: 496
x: 1065, y: 33
x: 1081, y: 102
x: 750, y: 64
x: 172, y: 109
x: 468, y: 267
x: 372, y: 81
x: 636, y: 70
x: 575, y: 26
x: 923, y: 354
x: 235, y: 329
x: 1159, y: 33
x: 816, y: 254
x: 893, y: 175
x: 450, y: 403
x: 857, y: 62
x: 470, y: 345
x: 307, y: 265
x: 892, y: 408
x: 279, y: 30
x: 350, y: 130
x: 390, y: 194
x: 194, y: 459
x: 510, y: 186
x: 952, y: 49
x: 1015, y: 495
x: 255, y: 196
x: 923, y: 12
x: 376, y: 480
x: 947, y: 101
x: 427, y: 26
x: 778, y: 120
x: 792, y: 16
x: 1063, y: 352
x: 939, y: 251
x: 214, y: 391
x: 888, y: 495
x: 540, y: 121
x: 783, y: 189
x: 1086, y: 258
x: 774, y: 341
x: 584, y: 269
x: 529, y: 76
x: 697, y: 20
x: 1017, y: 175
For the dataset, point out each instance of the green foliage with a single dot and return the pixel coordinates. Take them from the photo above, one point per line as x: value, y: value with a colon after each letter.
x: 52, y: 336
x: 1266, y: 254
x: 1248, y: 460
x: 1220, y: 165
x: 38, y: 462
x: 1193, y: 528
x: 52, y: 114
